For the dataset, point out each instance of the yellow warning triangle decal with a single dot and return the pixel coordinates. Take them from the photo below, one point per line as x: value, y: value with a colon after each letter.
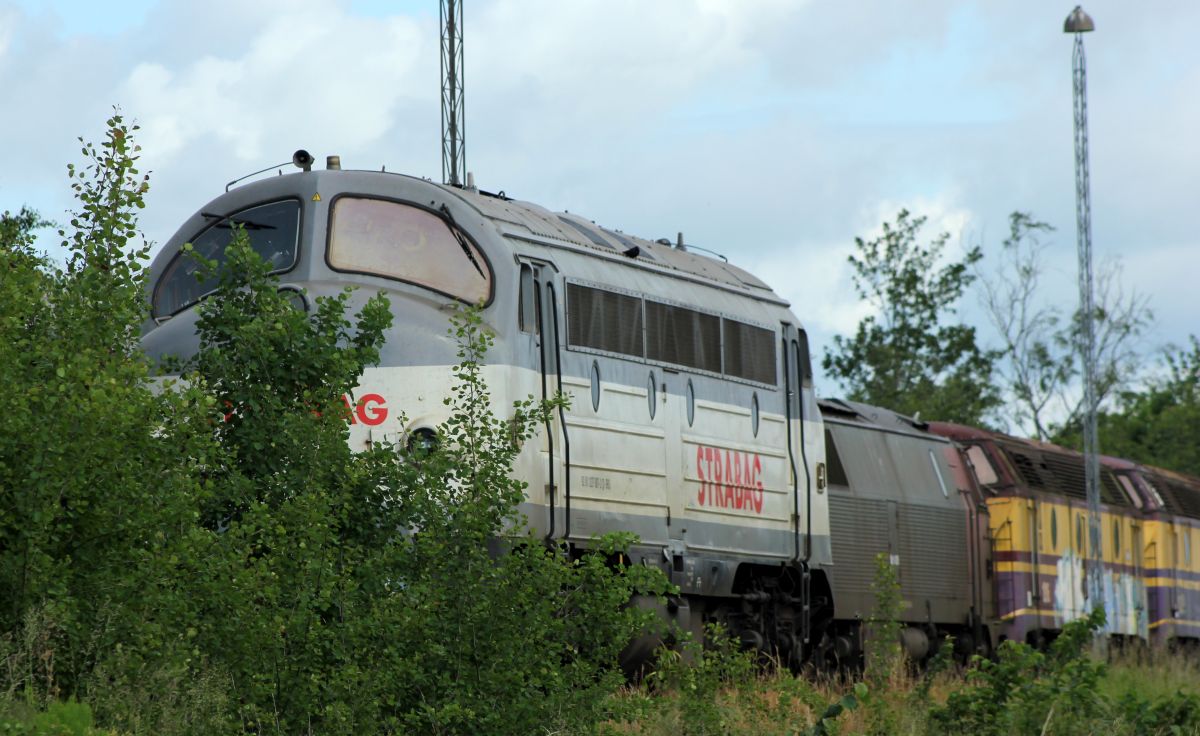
x: 316, y: 198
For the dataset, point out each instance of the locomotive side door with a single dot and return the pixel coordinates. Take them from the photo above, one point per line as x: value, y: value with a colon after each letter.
x: 1034, y: 595
x: 804, y: 446
x: 1139, y: 589
x: 1176, y: 532
x: 540, y: 313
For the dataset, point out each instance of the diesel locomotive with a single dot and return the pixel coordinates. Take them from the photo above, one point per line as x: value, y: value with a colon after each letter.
x: 693, y: 422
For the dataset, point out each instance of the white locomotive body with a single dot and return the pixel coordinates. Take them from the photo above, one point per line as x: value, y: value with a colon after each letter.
x: 692, y: 418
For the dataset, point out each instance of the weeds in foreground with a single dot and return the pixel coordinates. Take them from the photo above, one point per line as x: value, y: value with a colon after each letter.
x: 1060, y: 692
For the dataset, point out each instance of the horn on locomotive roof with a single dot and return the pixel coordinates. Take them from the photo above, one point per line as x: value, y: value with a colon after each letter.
x: 301, y: 158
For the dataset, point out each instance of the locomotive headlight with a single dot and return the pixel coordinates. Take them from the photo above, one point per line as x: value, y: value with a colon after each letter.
x: 295, y: 297
x: 422, y: 441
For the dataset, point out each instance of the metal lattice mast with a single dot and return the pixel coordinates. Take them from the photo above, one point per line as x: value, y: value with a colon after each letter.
x: 1078, y: 22
x: 454, y: 147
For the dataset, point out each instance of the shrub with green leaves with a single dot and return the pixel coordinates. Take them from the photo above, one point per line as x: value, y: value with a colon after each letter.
x: 884, y: 655
x: 208, y: 555
x: 96, y: 469
x: 64, y: 718
x: 1028, y: 691
x: 392, y: 589
x: 698, y: 674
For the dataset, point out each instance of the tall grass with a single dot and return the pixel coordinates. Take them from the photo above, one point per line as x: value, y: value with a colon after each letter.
x: 1062, y: 691
x: 1138, y: 696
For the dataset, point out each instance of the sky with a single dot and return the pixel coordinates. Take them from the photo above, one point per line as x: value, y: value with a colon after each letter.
x: 771, y: 131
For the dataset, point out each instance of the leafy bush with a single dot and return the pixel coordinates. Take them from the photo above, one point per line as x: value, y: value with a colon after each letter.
x: 209, y: 556
x: 884, y: 655
x: 1027, y: 691
x: 96, y: 469
x: 65, y: 718
x: 698, y: 674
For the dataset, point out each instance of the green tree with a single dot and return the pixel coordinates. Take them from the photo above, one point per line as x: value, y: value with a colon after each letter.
x: 905, y: 357
x: 1039, y: 357
x: 96, y: 468
x: 1156, y: 424
x: 17, y: 231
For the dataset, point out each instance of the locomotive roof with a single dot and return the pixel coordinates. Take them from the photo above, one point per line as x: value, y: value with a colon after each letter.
x: 845, y: 411
x: 528, y: 220
x: 1041, y: 466
x: 520, y: 220
x: 621, y: 261
x: 1179, y: 493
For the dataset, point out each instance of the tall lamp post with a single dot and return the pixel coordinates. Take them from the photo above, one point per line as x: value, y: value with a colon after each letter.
x: 454, y: 126
x: 1079, y: 23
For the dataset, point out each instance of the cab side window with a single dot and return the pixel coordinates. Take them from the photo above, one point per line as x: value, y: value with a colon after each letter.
x: 527, y: 302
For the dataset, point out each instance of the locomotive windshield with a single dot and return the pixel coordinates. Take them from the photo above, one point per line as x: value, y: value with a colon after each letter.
x: 406, y: 243
x: 273, y: 230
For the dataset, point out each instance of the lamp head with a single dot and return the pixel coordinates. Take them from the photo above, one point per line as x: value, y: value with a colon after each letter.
x: 1078, y: 22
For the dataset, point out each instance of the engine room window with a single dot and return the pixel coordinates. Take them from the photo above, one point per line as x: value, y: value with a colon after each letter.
x: 938, y: 472
x: 983, y: 467
x: 749, y: 351
x: 406, y: 243
x: 273, y: 230
x: 683, y: 336
x: 587, y: 232
x: 1130, y: 491
x: 595, y: 378
x: 604, y: 320
x: 652, y: 395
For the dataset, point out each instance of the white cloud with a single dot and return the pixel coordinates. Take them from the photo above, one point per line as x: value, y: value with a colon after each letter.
x: 772, y: 131
x: 304, y: 73
x: 8, y: 25
x: 817, y: 281
x: 941, y: 216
